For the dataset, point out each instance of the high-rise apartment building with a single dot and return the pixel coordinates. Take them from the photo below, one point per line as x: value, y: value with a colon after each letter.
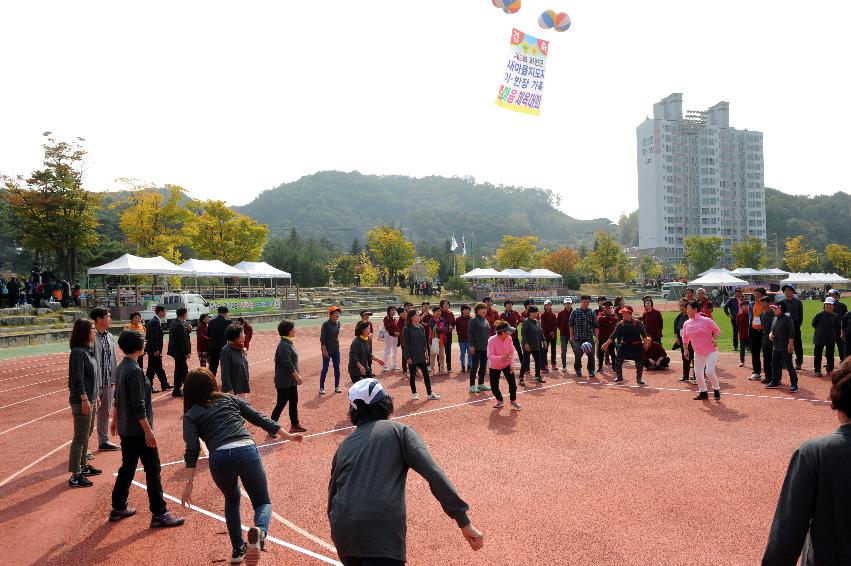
x: 697, y: 176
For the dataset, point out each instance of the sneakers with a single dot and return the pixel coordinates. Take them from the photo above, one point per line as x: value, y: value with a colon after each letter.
x: 793, y: 389
x: 176, y: 393
x: 321, y: 391
x: 166, y: 520
x: 640, y: 381
x: 297, y: 428
x: 337, y: 389
x: 89, y: 470
x: 684, y: 378
x: 167, y: 387
x: 618, y: 379
x: 522, y: 381
x: 415, y: 396
x: 238, y: 554
x: 79, y: 480
x: 255, y: 541
x: 463, y: 370
x: 484, y: 387
x: 578, y: 374
x: 545, y: 370
x: 474, y: 389
x: 717, y: 394
x: 90, y: 456
x: 692, y: 380
x: 592, y: 374
x: 540, y: 379
x: 515, y: 406
x: 741, y: 364
x: 773, y: 386
x: 108, y: 446
x: 601, y: 370
x: 433, y: 397
x: 754, y: 377
x: 499, y: 405
x: 798, y: 367
x: 817, y: 373
x: 115, y: 516
x: 702, y: 396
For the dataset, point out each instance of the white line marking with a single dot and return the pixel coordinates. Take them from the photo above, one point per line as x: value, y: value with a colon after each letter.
x: 31, y: 384
x: 33, y: 398
x: 28, y: 466
x: 34, y: 420
x: 18, y: 377
x: 244, y: 528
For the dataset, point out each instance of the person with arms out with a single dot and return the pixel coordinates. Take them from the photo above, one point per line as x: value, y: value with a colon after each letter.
x: 583, y: 328
x: 391, y: 340
x: 287, y: 376
x: 83, y: 386
x: 202, y: 339
x: 501, y: 361
x: 415, y: 347
x: 549, y: 328
x: 732, y: 309
x: 462, y: 325
x: 686, y: 352
x: 216, y: 330
x: 136, y: 325
x: 795, y: 309
x: 218, y: 420
x: 180, y: 348
x: 329, y: 341
x: 651, y: 318
x: 233, y: 361
x: 813, y: 516
x: 701, y: 333
x: 563, y: 323
x: 606, y: 322
x: 531, y: 339
x: 360, y: 353
x: 132, y: 419
x: 154, y: 348
x: 106, y: 359
x: 782, y: 337
x: 629, y: 335
x: 827, y: 327
x: 366, y: 493
x: 743, y: 330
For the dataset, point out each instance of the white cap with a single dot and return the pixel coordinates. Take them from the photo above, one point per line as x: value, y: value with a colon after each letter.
x: 568, y: 301
x: 548, y: 302
x: 830, y: 301
x: 833, y: 292
x: 368, y: 391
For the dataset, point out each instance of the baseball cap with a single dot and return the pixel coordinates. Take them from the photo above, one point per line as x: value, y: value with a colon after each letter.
x: 368, y: 391
x: 833, y: 292
x: 568, y: 301
x: 504, y: 327
x: 334, y: 309
x: 788, y: 286
x: 363, y: 312
x: 548, y: 302
x: 830, y: 301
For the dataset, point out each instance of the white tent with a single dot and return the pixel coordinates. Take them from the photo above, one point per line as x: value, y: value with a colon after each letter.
x: 745, y: 272
x: 772, y: 271
x: 514, y: 274
x: 473, y: 274
x: 260, y: 269
x: 135, y: 265
x: 799, y: 279
x: 482, y: 273
x: 544, y: 274
x: 210, y: 268
x: 715, y: 270
x: 718, y: 279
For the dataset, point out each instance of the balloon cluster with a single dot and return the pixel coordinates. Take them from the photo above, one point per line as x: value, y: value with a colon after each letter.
x: 550, y: 19
x: 507, y: 6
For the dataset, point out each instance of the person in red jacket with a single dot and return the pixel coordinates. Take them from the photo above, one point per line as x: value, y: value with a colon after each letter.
x: 606, y: 322
x: 743, y: 326
x: 491, y: 315
x: 391, y: 340
x: 705, y: 305
x: 655, y: 356
x: 513, y: 318
x: 248, y: 330
x: 652, y: 320
x: 462, y: 323
x: 549, y: 328
x: 202, y: 342
x: 563, y: 324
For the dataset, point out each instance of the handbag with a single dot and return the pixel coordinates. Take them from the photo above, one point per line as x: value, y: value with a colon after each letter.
x: 382, y: 333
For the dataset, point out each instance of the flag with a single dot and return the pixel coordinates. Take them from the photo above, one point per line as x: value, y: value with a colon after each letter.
x: 463, y: 246
x: 454, y: 245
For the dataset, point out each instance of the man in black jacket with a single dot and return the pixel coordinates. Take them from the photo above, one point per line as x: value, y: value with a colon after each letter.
x: 180, y: 348
x: 841, y: 309
x: 216, y: 332
x: 154, y: 348
x: 795, y: 308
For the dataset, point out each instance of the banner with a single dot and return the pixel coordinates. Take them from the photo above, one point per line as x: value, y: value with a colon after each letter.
x: 523, y: 79
x: 237, y: 305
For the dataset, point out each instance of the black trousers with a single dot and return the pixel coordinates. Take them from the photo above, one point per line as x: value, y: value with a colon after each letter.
x: 181, y: 368
x: 798, y: 345
x: 287, y: 395
x: 735, y: 333
x: 155, y: 368
x: 447, y: 348
x: 842, y: 348
x: 517, y: 348
x: 550, y: 343
x: 361, y: 561
x: 412, y: 376
x: 509, y: 377
x: 478, y: 365
x: 687, y: 362
x: 213, y: 360
x: 828, y: 349
x: 779, y: 360
x: 768, y: 359
x: 536, y: 355
x: 755, y: 338
x: 133, y: 449
x: 141, y: 361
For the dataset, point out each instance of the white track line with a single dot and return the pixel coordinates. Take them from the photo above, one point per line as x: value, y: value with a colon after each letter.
x: 68, y: 408
x: 33, y: 398
x: 20, y: 376
x: 244, y: 528
x: 32, y: 384
x: 30, y: 465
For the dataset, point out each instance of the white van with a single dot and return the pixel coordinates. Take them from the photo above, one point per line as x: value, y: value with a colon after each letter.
x: 195, y: 304
x: 666, y: 289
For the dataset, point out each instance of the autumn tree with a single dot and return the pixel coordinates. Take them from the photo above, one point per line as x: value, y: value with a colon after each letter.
x: 607, y: 261
x: 650, y: 268
x: 839, y: 256
x: 516, y: 252
x: 52, y: 210
x: 343, y: 269
x: 749, y: 252
x: 563, y: 261
x: 153, y: 222
x: 217, y: 232
x: 702, y: 252
x: 391, y: 249
x: 797, y: 256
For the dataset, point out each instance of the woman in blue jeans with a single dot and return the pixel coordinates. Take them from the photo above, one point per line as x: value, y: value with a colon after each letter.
x: 218, y: 420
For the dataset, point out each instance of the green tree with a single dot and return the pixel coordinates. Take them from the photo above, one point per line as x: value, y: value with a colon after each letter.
x: 391, y: 250
x: 517, y: 252
x: 797, y: 256
x: 839, y: 256
x: 702, y: 252
x: 356, y: 248
x: 650, y: 268
x: 343, y: 269
x: 52, y: 210
x: 749, y: 252
x: 153, y: 222
x: 308, y: 260
x: 217, y: 232
x: 628, y: 229
x: 608, y: 262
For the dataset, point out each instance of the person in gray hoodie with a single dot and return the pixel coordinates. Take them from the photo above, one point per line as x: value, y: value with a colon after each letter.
x: 415, y: 350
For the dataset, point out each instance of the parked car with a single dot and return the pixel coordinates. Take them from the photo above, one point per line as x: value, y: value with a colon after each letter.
x: 677, y: 287
x: 195, y: 304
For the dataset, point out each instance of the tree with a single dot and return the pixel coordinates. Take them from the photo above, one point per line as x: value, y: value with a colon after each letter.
x: 607, y: 262
x: 367, y: 271
x: 308, y: 260
x: 220, y: 233
x: 628, y: 229
x: 563, y: 261
x: 702, y: 252
x: 356, y: 248
x: 432, y: 268
x: 681, y: 270
x: 839, y: 256
x: 53, y: 211
x: 516, y: 252
x: 749, y: 252
x: 391, y: 250
x: 650, y: 268
x: 153, y: 222
x: 343, y: 270
x: 798, y: 257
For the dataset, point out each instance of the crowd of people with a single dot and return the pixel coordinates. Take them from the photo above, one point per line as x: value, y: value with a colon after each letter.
x: 40, y: 288
x: 114, y: 398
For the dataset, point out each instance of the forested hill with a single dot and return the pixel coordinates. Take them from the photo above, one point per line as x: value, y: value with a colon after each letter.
x: 343, y: 206
x: 821, y: 219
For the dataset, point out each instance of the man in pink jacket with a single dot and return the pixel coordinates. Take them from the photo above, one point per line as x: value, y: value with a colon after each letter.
x: 702, y: 334
x: 501, y: 360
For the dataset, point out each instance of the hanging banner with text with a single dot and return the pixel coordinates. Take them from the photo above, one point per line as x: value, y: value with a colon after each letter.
x: 523, y: 76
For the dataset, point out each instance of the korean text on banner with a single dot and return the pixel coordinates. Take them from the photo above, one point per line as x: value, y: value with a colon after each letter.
x: 523, y: 77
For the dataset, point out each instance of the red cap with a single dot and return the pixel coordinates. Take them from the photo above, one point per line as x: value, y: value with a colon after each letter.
x: 334, y: 308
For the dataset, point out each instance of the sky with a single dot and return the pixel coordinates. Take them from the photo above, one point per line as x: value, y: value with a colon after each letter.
x: 229, y: 99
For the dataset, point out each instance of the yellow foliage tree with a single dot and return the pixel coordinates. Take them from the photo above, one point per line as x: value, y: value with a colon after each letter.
x: 562, y: 260
x: 797, y: 256
x: 391, y: 250
x: 367, y: 271
x: 153, y: 223
x: 839, y: 256
x: 516, y: 252
x: 217, y: 232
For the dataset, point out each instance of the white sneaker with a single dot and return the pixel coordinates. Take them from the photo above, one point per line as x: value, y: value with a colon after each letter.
x: 252, y: 551
x: 755, y: 377
x: 322, y: 392
x: 433, y: 397
x: 515, y: 406
x: 337, y: 390
x: 415, y: 396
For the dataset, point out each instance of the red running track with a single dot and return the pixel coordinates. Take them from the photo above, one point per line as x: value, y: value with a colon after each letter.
x: 587, y: 473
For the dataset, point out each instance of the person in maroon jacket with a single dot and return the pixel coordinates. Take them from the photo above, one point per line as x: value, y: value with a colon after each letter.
x: 652, y: 320
x: 202, y: 343
x: 248, y: 330
x: 549, y: 328
x: 513, y: 318
x: 448, y: 318
x: 391, y: 340
x: 461, y: 325
x: 655, y: 356
x: 491, y: 315
x: 743, y: 325
x: 425, y: 313
x: 606, y: 322
x: 563, y: 323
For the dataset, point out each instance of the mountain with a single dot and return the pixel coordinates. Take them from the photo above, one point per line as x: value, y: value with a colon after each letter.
x: 821, y: 219
x: 343, y: 206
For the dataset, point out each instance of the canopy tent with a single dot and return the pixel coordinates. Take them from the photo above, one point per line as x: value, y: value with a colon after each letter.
x: 718, y: 279
x: 772, y: 272
x: 260, y: 269
x: 210, y: 268
x: 814, y: 279
x: 482, y: 273
x: 715, y: 270
x: 135, y: 265
x: 544, y: 274
x: 514, y: 274
x: 745, y: 272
